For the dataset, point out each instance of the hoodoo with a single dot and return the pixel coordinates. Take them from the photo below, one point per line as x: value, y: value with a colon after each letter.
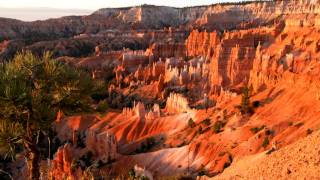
x: 221, y: 91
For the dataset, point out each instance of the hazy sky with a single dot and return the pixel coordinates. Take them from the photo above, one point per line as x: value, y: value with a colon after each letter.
x: 96, y: 4
x: 29, y: 10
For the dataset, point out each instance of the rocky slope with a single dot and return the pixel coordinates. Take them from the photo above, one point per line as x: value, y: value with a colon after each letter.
x: 299, y: 160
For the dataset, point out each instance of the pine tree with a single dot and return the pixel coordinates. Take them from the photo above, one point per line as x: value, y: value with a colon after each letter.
x: 246, y: 106
x: 32, y: 91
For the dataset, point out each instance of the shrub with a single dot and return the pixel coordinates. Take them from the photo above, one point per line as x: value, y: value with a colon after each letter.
x: 269, y: 132
x: 102, y: 106
x: 255, y: 130
x: 245, y: 100
x: 150, y: 142
x: 265, y: 142
x: 132, y: 173
x: 74, y: 165
x: 246, y: 107
x: 200, y: 130
x: 146, y: 146
x: 87, y: 159
x: 309, y: 131
x: 99, y: 91
x: 217, y: 126
x: 191, y: 123
x: 256, y: 104
x: 143, y: 178
x: 206, y: 122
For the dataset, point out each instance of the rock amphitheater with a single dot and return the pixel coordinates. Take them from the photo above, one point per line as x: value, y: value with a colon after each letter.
x: 176, y: 90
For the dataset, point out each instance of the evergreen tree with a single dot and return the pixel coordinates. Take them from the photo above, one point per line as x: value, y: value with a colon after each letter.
x: 246, y: 105
x: 32, y: 91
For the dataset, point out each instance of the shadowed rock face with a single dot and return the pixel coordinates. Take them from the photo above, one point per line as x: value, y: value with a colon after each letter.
x: 219, y: 17
x: 120, y: 22
x: 176, y: 101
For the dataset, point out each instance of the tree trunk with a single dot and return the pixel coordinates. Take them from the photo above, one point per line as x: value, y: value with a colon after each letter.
x: 33, y: 160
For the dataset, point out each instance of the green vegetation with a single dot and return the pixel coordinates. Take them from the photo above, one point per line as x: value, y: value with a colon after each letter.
x: 255, y: 130
x: 87, y: 159
x: 200, y: 131
x: 100, y: 93
x: 217, y: 126
x: 265, y: 142
x: 191, y: 123
x: 206, y: 122
x: 269, y: 132
x: 132, y: 175
x: 32, y: 91
x: 143, y: 178
x: 9, y: 144
x: 256, y: 104
x: 245, y: 106
x: 146, y: 146
x: 102, y: 106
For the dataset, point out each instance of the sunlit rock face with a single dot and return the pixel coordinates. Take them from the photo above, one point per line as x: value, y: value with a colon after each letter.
x: 166, y: 50
x: 61, y: 165
x: 138, y: 110
x: 176, y: 103
x: 102, y: 145
x: 67, y: 160
x: 231, y: 53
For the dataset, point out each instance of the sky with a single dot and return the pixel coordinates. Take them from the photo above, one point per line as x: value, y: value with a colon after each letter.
x: 29, y: 10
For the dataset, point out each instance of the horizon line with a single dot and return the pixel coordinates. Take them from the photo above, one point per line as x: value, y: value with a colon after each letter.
x: 119, y: 7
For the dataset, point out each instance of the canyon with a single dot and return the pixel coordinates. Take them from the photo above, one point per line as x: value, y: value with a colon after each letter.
x: 177, y: 80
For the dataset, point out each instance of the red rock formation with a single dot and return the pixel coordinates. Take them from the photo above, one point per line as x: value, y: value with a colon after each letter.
x: 61, y: 166
x: 202, y: 43
x: 176, y: 103
x: 280, y: 60
x: 166, y: 50
x: 160, y: 84
x: 133, y: 59
x: 231, y: 55
x: 102, y: 145
x: 270, y: 65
